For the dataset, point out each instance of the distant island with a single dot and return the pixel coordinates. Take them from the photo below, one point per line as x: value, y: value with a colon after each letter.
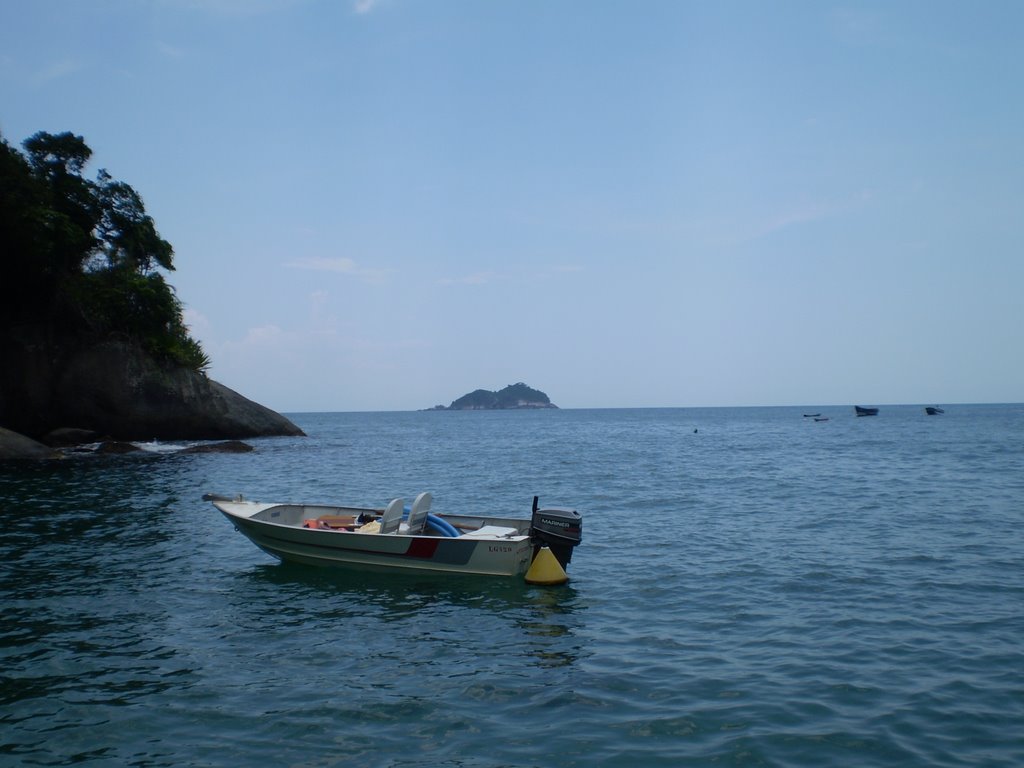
x: 514, y: 396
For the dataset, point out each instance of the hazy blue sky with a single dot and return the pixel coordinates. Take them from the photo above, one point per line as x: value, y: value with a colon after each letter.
x: 384, y: 205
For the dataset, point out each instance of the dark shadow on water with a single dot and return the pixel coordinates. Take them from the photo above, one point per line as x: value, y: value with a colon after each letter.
x: 398, y: 589
x: 549, y: 617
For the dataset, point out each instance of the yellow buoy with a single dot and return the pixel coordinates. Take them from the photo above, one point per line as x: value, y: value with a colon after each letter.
x: 545, y: 569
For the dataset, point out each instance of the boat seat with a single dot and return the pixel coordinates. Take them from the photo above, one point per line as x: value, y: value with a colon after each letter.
x: 492, y: 531
x: 392, y: 517
x: 417, y: 515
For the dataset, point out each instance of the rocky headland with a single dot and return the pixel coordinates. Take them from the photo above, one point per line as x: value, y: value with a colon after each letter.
x: 93, y: 344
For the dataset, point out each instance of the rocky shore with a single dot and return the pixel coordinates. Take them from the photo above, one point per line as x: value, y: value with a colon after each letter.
x: 58, y: 395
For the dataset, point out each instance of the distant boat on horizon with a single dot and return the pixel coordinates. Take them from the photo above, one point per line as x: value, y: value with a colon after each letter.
x: 821, y: 418
x: 811, y: 415
x: 932, y: 410
x: 861, y: 411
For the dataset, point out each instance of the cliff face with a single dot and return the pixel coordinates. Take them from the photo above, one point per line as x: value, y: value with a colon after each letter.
x: 114, y: 388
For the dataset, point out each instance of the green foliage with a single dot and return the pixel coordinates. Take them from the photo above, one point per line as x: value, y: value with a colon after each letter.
x: 73, y: 210
x: 26, y: 270
x: 60, y: 155
x: 127, y: 234
x: 516, y: 393
x: 75, y: 252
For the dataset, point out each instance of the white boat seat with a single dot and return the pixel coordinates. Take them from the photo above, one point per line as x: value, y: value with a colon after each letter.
x: 392, y: 517
x: 491, y: 531
x: 417, y: 515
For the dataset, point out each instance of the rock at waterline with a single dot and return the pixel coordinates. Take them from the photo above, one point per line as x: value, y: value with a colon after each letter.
x: 66, y: 437
x: 17, y: 446
x: 228, y: 446
x: 116, y: 447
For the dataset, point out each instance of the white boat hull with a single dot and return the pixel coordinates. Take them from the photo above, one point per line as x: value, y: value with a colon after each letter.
x: 490, y: 546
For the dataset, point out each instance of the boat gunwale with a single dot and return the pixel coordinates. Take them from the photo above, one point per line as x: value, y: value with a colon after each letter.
x: 479, y: 521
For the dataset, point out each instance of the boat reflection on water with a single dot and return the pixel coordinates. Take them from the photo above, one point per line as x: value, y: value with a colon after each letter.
x: 387, y: 611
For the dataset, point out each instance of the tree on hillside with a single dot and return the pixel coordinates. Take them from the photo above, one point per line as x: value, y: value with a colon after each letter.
x: 82, y: 256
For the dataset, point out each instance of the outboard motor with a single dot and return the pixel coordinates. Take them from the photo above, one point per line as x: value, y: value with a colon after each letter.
x: 559, y: 529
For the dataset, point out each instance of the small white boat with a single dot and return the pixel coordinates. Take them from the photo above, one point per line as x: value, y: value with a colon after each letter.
x: 362, y: 537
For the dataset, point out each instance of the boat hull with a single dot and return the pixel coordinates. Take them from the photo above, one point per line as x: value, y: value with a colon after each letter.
x: 277, y: 530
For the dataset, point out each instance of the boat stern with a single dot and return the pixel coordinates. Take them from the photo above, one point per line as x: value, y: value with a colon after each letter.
x: 558, y: 529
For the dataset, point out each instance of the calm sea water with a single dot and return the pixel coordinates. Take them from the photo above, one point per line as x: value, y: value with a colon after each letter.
x: 754, y: 588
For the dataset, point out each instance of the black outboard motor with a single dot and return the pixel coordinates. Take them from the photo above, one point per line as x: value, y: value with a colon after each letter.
x: 559, y: 529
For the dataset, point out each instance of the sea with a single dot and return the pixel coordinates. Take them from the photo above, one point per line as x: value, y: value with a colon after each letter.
x: 754, y: 588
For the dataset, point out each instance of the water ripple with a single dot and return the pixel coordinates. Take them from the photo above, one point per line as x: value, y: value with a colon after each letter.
x: 757, y: 592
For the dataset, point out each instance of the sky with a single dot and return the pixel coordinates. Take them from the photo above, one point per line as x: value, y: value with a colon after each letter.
x: 382, y: 205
